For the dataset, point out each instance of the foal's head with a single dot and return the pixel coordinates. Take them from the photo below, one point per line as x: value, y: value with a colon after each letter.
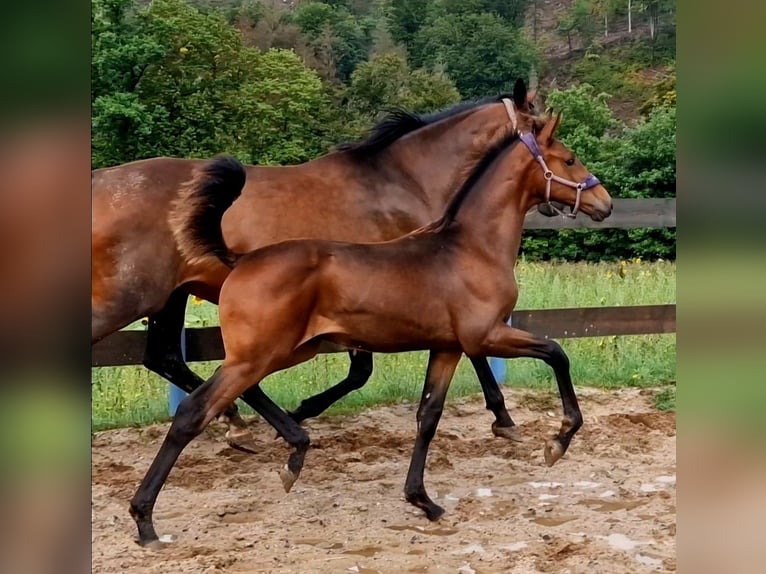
x: 561, y: 178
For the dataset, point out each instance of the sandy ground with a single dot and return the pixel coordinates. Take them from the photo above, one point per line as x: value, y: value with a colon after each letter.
x: 607, y: 506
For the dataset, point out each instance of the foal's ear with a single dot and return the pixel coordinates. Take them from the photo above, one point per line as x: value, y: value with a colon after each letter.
x: 549, y: 130
x: 520, y: 94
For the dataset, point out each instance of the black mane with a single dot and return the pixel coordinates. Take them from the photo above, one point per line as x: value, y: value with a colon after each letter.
x: 399, y: 122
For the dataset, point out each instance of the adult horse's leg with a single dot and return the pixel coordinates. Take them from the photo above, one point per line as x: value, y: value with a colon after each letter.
x: 358, y: 374
x: 509, y: 342
x: 441, y: 368
x: 285, y: 426
x: 503, y: 426
x: 361, y: 369
x: 163, y: 354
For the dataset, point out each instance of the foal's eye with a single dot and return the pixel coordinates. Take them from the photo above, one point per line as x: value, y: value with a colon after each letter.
x: 570, y: 161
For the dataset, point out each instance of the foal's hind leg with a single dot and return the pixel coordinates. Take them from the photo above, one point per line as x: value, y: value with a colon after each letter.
x: 508, y: 342
x: 441, y: 368
x: 358, y: 374
x: 503, y: 426
x: 192, y: 416
x: 163, y: 355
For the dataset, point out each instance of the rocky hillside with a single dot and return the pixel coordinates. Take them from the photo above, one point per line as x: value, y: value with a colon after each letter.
x: 627, y: 64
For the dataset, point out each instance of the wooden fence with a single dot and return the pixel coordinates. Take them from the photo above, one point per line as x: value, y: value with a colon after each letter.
x: 204, y: 344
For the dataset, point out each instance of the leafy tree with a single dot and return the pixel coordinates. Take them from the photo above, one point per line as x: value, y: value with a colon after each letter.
x: 170, y: 80
x: 282, y: 106
x: 406, y: 18
x: 482, y: 53
x: 159, y: 73
x: 339, y: 41
x: 577, y: 22
x: 605, y: 9
x: 586, y: 118
x: 513, y: 11
x: 386, y: 81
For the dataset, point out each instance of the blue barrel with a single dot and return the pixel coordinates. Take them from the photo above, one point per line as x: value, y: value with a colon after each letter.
x: 176, y: 394
x: 498, y: 365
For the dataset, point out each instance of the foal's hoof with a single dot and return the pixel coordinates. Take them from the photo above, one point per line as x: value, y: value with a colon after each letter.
x: 434, y: 512
x: 288, y: 478
x: 553, y: 451
x: 511, y: 433
x: 241, y: 439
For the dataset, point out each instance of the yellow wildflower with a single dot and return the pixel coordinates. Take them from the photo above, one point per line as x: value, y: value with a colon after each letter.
x: 196, y: 300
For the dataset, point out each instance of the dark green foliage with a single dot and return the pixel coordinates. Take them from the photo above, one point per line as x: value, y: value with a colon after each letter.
x: 338, y: 39
x: 482, y: 53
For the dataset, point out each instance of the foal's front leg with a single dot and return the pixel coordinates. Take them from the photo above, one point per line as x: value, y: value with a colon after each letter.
x: 508, y: 342
x: 441, y: 368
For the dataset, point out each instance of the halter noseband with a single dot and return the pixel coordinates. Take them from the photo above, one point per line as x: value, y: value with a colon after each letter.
x: 531, y: 143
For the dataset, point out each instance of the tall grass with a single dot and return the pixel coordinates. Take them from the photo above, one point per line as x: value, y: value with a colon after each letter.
x: 133, y: 396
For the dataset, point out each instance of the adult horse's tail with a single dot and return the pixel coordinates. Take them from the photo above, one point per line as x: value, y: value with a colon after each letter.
x: 196, y: 215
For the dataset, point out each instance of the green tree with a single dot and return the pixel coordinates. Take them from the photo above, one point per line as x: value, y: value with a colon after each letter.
x: 482, y: 53
x: 577, y: 23
x: 159, y: 72
x: 282, y: 107
x: 406, y: 18
x: 170, y: 80
x: 513, y: 11
x: 585, y: 120
x: 340, y: 42
x: 386, y: 81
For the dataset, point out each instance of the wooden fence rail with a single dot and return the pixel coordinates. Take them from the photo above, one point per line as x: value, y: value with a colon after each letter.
x: 205, y: 344
x: 127, y: 347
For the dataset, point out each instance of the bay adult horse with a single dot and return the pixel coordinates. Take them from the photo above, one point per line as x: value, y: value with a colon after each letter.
x: 396, y: 180
x: 448, y: 287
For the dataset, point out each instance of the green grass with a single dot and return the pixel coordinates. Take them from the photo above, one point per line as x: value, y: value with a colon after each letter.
x: 133, y: 396
x: 665, y: 400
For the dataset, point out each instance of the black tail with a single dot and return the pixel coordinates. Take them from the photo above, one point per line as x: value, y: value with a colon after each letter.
x: 196, y: 216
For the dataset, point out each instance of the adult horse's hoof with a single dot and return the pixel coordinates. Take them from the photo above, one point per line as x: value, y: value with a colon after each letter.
x: 157, y: 544
x: 554, y: 450
x: 288, y: 478
x: 511, y: 433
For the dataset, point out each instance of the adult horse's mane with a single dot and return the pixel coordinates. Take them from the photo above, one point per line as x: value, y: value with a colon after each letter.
x: 400, y: 122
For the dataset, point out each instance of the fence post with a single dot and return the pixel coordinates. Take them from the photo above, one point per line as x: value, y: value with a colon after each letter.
x: 176, y: 394
x: 498, y: 365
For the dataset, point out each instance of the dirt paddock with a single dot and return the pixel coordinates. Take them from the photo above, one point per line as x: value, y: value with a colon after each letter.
x: 608, y: 506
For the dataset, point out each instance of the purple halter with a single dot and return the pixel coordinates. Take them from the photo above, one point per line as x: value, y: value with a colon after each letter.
x: 587, y: 183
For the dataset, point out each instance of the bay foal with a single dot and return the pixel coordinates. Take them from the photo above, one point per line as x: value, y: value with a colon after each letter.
x: 448, y: 287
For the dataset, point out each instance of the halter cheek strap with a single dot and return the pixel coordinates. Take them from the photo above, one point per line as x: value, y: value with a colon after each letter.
x: 589, y: 182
